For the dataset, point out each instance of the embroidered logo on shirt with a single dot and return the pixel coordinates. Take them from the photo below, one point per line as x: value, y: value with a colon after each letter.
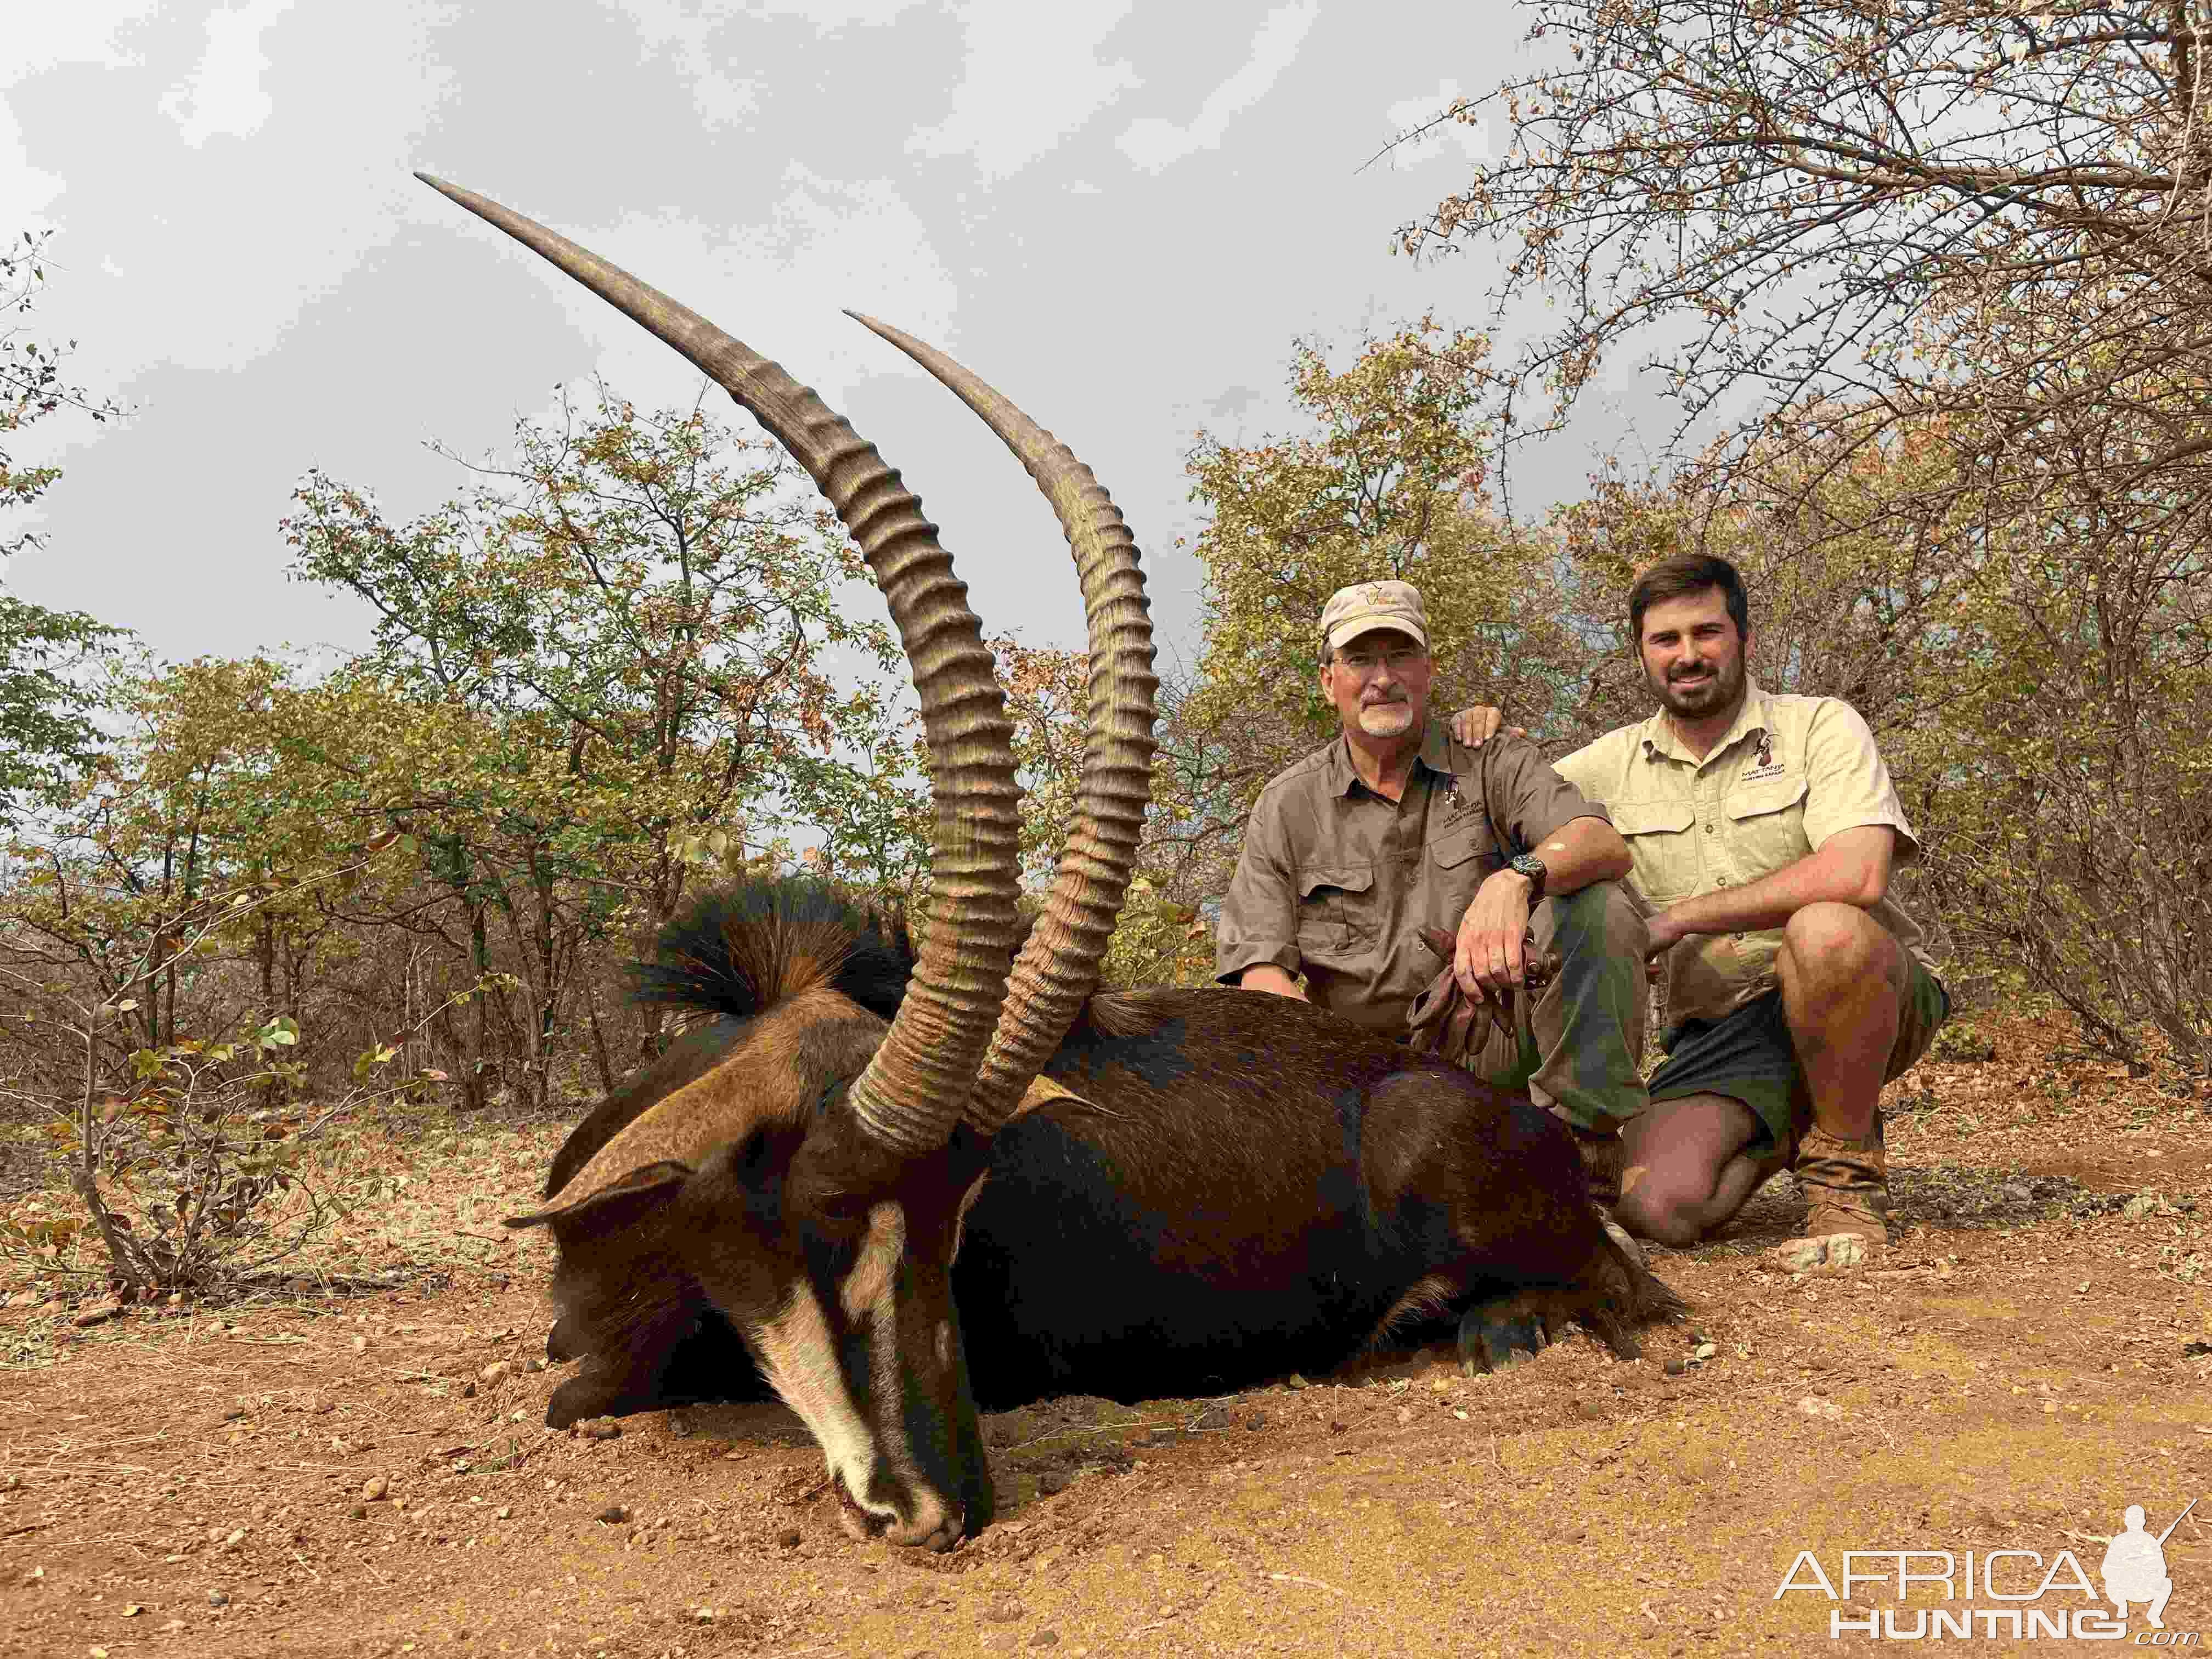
x: 1764, y: 765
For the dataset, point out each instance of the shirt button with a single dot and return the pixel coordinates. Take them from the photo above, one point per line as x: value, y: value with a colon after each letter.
x: 1709, y: 826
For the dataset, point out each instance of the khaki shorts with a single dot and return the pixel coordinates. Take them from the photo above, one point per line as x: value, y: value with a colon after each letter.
x: 1747, y: 1056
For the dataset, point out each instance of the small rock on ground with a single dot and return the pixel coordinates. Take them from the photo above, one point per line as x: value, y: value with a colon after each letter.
x: 1837, y: 1253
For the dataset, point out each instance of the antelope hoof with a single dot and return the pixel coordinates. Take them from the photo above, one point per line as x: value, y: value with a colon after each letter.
x: 1495, y: 1335
x: 1627, y: 1245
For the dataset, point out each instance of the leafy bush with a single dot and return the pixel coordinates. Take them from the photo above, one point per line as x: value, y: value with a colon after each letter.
x: 205, y: 1172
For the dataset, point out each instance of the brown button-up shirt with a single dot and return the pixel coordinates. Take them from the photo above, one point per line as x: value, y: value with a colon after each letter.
x: 1335, y: 881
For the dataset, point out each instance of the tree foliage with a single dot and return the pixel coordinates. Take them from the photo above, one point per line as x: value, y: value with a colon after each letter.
x: 1872, y: 212
x: 1384, y: 481
x: 624, y: 653
x: 647, y: 595
x: 1927, y: 278
x: 46, y: 656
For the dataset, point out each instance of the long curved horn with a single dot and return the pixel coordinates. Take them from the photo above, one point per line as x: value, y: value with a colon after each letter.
x: 914, y: 1089
x: 1060, y: 965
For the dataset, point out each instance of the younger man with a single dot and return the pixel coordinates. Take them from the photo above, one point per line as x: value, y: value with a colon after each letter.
x: 1764, y: 829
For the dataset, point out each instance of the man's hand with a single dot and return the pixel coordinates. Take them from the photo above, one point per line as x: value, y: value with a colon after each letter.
x: 1667, y: 933
x: 1266, y: 977
x: 1486, y: 956
x: 1473, y: 727
x: 1852, y: 867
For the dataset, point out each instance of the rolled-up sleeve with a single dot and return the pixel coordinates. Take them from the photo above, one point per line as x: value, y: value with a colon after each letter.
x: 1260, y: 913
x: 1848, y: 783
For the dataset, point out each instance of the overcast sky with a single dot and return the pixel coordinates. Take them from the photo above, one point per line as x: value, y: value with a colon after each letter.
x: 1121, y: 212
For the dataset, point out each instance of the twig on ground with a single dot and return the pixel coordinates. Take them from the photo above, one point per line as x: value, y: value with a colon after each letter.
x: 1299, y: 1578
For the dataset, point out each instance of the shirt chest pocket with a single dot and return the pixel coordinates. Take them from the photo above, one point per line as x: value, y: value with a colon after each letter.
x: 1460, y: 859
x: 1657, y: 832
x: 1336, y: 917
x: 1765, y: 827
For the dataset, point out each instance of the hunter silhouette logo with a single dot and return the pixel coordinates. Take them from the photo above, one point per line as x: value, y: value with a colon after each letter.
x: 2135, y: 1565
x: 2013, y: 1593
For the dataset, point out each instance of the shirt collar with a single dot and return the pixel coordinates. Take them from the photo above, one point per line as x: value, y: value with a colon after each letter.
x: 1436, y: 755
x: 1436, y: 747
x: 1755, y: 718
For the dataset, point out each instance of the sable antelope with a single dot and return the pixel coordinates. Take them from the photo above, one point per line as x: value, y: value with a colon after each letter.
x: 1150, y: 1186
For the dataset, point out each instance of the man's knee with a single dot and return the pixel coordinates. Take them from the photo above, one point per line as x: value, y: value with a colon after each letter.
x: 1666, y: 1191
x: 1828, y: 943
x: 1668, y: 1211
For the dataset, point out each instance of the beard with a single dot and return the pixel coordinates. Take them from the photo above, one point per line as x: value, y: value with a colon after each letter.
x: 1387, y: 719
x: 1715, y: 689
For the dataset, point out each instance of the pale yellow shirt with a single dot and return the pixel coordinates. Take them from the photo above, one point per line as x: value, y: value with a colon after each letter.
x: 1790, y: 773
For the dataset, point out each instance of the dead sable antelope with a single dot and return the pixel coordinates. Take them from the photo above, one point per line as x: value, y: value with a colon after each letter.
x: 1143, y: 1189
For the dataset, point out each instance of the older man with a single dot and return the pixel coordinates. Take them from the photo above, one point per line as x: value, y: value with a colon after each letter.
x: 1764, y: 829
x: 1391, y: 828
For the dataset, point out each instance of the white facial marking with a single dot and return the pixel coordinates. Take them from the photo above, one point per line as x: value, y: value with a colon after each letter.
x: 800, y: 1358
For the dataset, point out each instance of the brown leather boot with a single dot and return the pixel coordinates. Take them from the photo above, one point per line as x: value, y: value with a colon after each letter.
x: 1846, y: 1188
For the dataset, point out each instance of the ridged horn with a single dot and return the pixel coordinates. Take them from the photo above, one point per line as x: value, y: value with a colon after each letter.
x: 1060, y: 965
x: 914, y: 1091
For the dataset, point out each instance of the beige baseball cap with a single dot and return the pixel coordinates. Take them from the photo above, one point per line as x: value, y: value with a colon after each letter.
x: 1353, y: 610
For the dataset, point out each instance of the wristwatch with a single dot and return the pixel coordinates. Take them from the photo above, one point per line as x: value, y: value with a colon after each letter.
x: 1529, y: 865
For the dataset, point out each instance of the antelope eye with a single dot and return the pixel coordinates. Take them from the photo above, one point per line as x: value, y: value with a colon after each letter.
x: 843, y: 1215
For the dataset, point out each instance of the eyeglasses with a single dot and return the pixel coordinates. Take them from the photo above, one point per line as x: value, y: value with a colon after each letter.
x: 1363, y: 663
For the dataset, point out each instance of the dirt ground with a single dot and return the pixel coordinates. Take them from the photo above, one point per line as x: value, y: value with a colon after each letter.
x: 369, y: 1474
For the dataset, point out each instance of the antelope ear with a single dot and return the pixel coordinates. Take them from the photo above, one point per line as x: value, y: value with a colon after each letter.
x: 647, y: 1181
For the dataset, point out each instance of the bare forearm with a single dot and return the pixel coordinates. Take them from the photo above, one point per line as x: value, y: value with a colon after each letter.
x: 1579, y: 852
x: 1852, y: 869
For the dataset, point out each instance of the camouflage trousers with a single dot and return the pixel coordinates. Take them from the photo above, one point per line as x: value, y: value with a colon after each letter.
x: 1579, y: 1041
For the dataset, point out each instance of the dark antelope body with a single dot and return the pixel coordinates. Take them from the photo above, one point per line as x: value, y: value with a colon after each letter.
x: 1157, y: 1189
x: 1206, y: 1188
